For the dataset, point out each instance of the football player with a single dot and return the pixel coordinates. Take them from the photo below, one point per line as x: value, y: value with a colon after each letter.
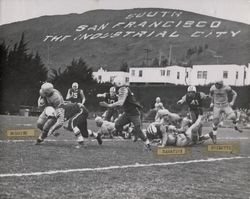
x: 131, y: 107
x: 77, y: 115
x: 107, y: 129
x: 111, y: 97
x: 185, y: 136
x: 158, y: 104
x: 164, y: 116
x: 48, y: 97
x: 75, y: 95
x: 220, y: 104
x: 194, y: 101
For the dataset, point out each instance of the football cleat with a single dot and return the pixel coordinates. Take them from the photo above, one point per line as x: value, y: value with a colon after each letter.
x: 237, y: 129
x: 39, y: 141
x: 148, y: 147
x: 99, y: 139
x: 213, y: 137
x: 134, y: 138
x: 56, y: 134
x: 200, y: 141
x: 80, y: 145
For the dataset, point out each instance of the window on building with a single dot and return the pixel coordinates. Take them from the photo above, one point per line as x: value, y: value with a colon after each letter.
x: 112, y: 79
x: 186, y: 74
x: 133, y: 72
x: 127, y: 79
x: 140, y: 73
x: 237, y: 75
x: 225, y: 74
x: 163, y: 72
x: 99, y: 78
x: 199, y: 74
x: 178, y: 75
x: 245, y: 74
x: 168, y: 72
x: 204, y: 75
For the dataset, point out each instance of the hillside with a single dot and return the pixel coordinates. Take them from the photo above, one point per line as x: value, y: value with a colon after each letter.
x: 110, y: 37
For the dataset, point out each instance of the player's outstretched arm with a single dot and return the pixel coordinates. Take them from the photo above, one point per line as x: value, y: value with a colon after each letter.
x: 60, y: 112
x: 182, y: 100
x: 68, y: 96
x: 234, y: 96
x: 82, y: 96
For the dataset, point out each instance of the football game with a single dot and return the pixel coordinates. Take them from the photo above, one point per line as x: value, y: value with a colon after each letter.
x: 125, y: 101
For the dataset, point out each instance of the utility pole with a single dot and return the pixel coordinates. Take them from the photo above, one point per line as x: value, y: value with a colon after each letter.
x: 48, y: 57
x: 160, y: 54
x: 170, y: 55
x: 147, y: 52
x: 217, y: 58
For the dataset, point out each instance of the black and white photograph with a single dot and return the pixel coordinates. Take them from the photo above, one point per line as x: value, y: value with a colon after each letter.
x: 136, y: 99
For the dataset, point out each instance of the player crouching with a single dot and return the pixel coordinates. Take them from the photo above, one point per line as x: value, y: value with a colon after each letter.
x: 107, y: 129
x: 77, y: 115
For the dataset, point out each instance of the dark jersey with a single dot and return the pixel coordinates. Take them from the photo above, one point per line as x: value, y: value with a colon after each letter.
x: 71, y: 109
x: 111, y: 99
x: 195, y: 103
x: 75, y: 95
x: 130, y: 106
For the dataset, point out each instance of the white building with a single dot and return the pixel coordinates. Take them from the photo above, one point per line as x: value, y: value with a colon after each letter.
x: 231, y: 74
x: 170, y: 74
x: 102, y: 76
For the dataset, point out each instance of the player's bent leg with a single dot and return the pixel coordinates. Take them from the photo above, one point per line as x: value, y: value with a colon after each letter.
x: 44, y: 134
x: 136, y: 121
x: 232, y: 116
x: 120, y: 122
x: 108, y: 115
x: 193, y: 115
x: 41, y: 121
x: 216, y: 122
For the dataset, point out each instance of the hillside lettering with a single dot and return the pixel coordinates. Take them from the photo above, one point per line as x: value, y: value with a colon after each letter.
x: 144, y: 25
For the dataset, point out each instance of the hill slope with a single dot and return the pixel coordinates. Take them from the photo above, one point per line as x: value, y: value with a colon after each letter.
x: 110, y: 37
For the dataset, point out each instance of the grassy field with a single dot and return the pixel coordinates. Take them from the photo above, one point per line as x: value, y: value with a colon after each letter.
x: 119, y: 168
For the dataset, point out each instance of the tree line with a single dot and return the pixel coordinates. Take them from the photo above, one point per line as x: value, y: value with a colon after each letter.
x: 23, y: 73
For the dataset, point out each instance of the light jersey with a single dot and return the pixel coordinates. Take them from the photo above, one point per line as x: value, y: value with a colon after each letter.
x: 107, y: 127
x: 158, y: 106
x: 220, y: 96
x: 165, y: 117
x: 55, y: 99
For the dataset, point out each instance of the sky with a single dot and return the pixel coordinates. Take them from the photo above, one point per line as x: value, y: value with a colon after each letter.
x: 19, y: 10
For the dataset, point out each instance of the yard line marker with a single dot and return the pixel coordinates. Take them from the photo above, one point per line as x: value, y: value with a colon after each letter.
x: 137, y: 165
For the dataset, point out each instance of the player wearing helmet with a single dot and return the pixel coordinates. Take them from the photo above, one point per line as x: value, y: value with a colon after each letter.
x: 77, y: 115
x: 164, y: 116
x: 131, y: 107
x: 220, y: 104
x: 75, y: 95
x: 106, y: 128
x: 194, y: 100
x: 186, y: 135
x: 48, y: 97
x: 158, y: 104
x: 111, y: 97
